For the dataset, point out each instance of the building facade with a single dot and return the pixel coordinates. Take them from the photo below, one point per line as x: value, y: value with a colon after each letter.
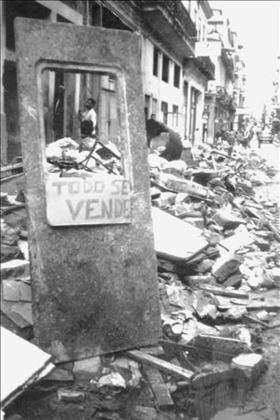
x: 220, y: 103
x: 186, y: 63
x: 198, y: 71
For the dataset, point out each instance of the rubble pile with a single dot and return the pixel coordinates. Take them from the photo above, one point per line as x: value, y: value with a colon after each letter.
x: 218, y: 255
x: 69, y: 157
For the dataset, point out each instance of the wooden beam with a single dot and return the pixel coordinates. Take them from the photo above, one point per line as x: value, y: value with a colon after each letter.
x: 160, y: 364
x: 159, y: 388
x: 63, y: 10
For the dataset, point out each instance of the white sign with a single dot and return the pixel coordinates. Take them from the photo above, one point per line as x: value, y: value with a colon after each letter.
x: 95, y: 200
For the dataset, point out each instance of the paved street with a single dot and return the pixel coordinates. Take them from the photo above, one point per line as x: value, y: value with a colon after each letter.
x: 271, y: 152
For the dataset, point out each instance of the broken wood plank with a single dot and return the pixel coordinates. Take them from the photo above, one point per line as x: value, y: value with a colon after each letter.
x: 267, y: 305
x: 158, y: 387
x: 159, y: 363
x: 224, y: 292
x: 256, y: 321
x: 11, y: 167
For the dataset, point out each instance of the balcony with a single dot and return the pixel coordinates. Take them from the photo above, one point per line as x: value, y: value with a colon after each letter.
x: 204, y: 65
x: 171, y: 24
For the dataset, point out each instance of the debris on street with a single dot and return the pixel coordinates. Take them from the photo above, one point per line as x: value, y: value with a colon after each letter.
x: 218, y: 253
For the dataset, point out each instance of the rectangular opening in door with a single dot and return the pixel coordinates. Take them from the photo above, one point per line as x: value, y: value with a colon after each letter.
x: 85, y: 143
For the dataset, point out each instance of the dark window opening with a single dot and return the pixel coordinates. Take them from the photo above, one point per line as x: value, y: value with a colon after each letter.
x: 165, y: 69
x: 177, y: 73
x: 147, y: 106
x: 185, y: 107
x: 164, y: 110
x: 156, y: 62
x: 175, y: 115
x: 154, y: 107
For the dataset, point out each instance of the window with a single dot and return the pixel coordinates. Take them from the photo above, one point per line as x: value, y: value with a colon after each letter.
x: 193, y: 111
x: 186, y: 88
x: 156, y: 62
x: 164, y: 110
x: 175, y: 115
x: 147, y: 106
x: 177, y: 73
x: 165, y: 69
x: 154, y: 107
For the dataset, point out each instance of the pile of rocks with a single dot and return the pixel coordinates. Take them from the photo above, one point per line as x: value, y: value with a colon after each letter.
x: 213, y: 275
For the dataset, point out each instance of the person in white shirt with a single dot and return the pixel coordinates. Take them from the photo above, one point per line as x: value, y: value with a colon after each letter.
x: 89, y: 114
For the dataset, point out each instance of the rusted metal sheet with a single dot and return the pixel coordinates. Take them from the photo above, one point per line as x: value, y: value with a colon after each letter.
x: 94, y: 287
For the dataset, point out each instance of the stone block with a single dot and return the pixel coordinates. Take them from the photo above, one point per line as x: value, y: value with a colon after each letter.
x: 226, y: 266
x: 227, y: 219
x: 10, y: 290
x: 234, y: 280
x: 218, y: 348
x: 251, y: 364
x: 87, y: 368
x: 213, y: 374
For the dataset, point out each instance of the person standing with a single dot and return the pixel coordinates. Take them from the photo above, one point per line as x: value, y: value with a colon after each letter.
x: 89, y: 114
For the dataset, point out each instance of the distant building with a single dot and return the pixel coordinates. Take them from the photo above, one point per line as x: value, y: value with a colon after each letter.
x: 198, y: 70
x: 174, y: 60
x: 276, y: 95
x: 221, y: 97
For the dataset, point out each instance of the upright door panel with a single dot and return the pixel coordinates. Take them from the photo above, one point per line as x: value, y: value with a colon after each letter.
x: 94, y: 286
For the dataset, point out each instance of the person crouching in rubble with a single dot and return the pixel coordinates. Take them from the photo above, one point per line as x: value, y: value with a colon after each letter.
x: 87, y: 138
x: 163, y: 140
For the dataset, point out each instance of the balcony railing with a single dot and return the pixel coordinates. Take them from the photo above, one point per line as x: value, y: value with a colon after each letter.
x: 171, y: 23
x: 204, y: 65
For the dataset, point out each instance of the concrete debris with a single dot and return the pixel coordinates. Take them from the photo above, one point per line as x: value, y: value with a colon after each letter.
x: 112, y: 380
x: 87, y: 368
x: 251, y: 364
x: 22, y: 365
x: 225, y: 266
x: 218, y: 254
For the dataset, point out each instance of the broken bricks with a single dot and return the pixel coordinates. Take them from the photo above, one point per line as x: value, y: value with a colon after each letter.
x: 225, y: 266
x: 183, y: 319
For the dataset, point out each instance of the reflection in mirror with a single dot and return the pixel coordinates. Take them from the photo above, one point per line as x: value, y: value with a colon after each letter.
x: 82, y: 120
x: 84, y: 167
